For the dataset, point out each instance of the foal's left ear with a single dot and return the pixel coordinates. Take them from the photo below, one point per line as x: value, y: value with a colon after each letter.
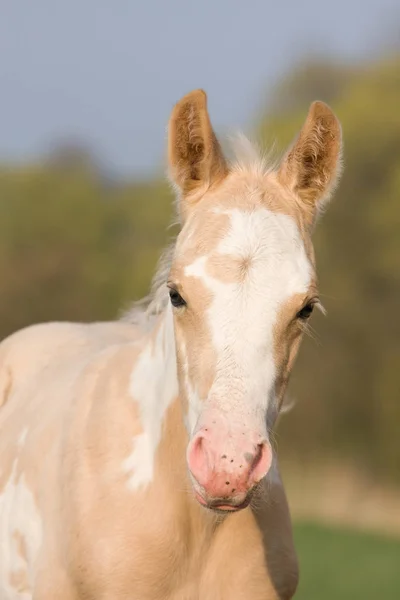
x: 194, y: 154
x: 312, y: 166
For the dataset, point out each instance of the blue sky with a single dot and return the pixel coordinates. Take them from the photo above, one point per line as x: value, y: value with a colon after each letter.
x: 108, y: 72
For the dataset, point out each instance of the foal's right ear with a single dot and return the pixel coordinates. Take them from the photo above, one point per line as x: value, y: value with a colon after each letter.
x: 194, y: 154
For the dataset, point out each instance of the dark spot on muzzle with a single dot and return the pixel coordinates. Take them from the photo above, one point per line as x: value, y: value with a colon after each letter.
x: 249, y: 457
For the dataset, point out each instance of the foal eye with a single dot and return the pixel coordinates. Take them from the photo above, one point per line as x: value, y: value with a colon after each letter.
x: 176, y: 299
x: 305, y: 312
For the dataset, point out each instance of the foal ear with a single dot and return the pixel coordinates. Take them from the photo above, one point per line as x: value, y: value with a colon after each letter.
x: 194, y: 154
x: 312, y: 166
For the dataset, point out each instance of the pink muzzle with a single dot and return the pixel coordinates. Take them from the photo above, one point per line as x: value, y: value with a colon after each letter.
x: 226, y: 464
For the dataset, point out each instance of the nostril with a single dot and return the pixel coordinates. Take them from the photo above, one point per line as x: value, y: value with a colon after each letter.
x: 198, y: 459
x: 261, y: 462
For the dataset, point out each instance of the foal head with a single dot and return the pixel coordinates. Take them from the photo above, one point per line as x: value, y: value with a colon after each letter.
x: 242, y: 288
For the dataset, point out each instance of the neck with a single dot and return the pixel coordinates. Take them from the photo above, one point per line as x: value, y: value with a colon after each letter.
x: 154, y: 386
x: 158, y: 365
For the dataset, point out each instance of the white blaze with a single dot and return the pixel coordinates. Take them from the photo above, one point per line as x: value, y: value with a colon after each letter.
x: 243, y: 313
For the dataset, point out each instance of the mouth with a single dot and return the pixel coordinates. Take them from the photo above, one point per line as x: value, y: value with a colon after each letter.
x: 222, y: 505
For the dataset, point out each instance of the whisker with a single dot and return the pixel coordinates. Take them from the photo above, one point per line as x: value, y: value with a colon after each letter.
x: 311, y: 333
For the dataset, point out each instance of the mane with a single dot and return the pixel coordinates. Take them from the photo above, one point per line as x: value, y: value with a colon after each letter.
x: 143, y: 311
x: 247, y: 158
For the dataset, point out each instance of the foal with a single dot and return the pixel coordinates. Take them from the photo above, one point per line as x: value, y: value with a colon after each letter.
x: 135, y: 457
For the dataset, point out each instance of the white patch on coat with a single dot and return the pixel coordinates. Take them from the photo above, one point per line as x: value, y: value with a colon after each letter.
x: 18, y: 515
x: 153, y: 386
x: 242, y: 314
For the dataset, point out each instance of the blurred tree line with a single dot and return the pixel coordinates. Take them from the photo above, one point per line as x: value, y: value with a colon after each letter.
x: 75, y: 245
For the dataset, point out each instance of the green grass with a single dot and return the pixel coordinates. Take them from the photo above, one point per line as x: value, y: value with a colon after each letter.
x: 339, y: 564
